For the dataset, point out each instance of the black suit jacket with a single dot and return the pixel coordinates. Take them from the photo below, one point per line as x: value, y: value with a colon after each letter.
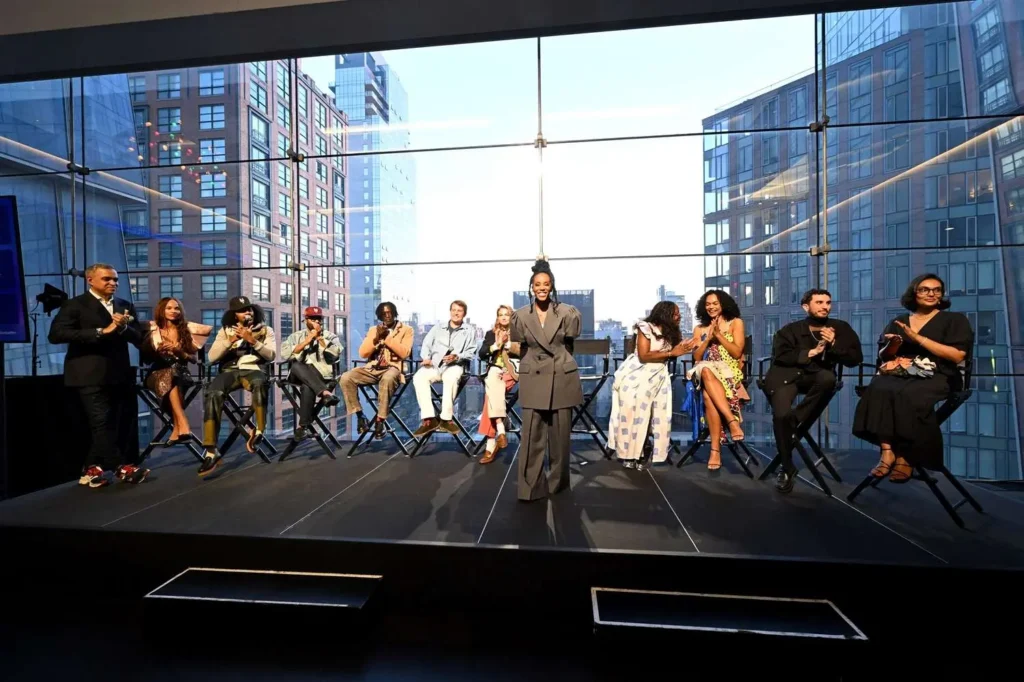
x: 485, y: 347
x: 93, y: 361
x: 792, y: 343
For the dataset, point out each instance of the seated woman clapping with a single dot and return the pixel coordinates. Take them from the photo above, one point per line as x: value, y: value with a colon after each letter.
x: 642, y: 390
x: 171, y: 343
x: 500, y: 350
x: 919, y: 362
x: 718, y: 371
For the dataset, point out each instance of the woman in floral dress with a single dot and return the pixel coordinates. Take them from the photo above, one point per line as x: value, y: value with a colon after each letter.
x: 718, y: 368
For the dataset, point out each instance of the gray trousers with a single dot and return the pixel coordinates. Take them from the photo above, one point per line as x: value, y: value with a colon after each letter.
x: 542, y: 430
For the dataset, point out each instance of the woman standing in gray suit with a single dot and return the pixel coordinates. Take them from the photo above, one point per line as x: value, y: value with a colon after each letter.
x: 549, y: 385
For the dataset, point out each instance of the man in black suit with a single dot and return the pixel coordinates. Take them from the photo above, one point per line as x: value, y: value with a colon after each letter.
x: 804, y: 358
x: 98, y: 327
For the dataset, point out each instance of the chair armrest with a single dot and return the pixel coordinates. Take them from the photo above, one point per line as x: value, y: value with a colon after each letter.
x: 760, y: 366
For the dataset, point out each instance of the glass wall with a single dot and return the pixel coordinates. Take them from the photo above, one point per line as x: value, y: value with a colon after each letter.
x: 852, y: 151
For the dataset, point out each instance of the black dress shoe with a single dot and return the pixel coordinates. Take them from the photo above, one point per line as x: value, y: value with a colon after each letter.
x: 363, y: 425
x: 785, y: 480
x: 378, y: 429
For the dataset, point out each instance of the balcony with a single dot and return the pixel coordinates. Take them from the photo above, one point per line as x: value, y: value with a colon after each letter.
x: 260, y: 168
x: 260, y: 201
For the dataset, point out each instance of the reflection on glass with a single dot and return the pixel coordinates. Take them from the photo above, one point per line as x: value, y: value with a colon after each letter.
x: 34, y: 126
x: 646, y: 82
x: 924, y: 62
x: 435, y: 97
x: 459, y: 206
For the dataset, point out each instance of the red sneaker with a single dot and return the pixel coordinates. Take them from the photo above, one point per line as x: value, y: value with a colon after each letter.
x: 89, y: 474
x: 129, y: 473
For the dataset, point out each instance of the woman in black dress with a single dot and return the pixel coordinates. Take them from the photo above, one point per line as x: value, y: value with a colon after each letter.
x: 919, y: 360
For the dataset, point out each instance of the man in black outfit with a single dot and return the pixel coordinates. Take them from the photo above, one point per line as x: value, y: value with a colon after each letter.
x: 98, y: 327
x: 804, y: 358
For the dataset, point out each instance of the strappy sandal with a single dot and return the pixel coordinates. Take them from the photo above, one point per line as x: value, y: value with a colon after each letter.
x: 901, y: 473
x: 734, y: 438
x: 715, y: 467
x: 883, y: 468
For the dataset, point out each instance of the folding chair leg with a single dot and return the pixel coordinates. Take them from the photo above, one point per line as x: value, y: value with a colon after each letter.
x: 734, y: 448
x: 770, y: 469
x: 702, y: 436
x: 868, y: 480
x: 933, y: 485
x: 812, y: 466
x: 822, y: 459
x: 962, y: 490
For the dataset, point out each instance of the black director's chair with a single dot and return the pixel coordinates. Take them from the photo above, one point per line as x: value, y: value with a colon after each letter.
x: 321, y: 433
x: 581, y: 413
x: 243, y: 422
x: 803, y: 432
x: 734, y: 447
x: 194, y: 444
x: 466, y: 442
x: 371, y: 393
x: 960, y: 393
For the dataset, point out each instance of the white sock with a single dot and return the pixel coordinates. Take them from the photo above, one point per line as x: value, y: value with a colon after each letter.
x: 500, y: 426
x: 490, y: 445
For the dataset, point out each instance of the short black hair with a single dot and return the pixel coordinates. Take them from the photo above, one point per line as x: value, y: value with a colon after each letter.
x: 811, y: 293
x: 909, y: 298
x: 730, y: 310
x: 380, y: 310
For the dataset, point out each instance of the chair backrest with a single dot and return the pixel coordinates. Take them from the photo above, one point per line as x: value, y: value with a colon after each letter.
x: 629, y: 345
x: 592, y: 346
x: 748, y: 359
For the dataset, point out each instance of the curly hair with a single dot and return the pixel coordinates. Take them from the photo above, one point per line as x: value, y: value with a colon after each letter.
x: 909, y: 298
x: 730, y: 310
x: 663, y: 315
x: 542, y: 267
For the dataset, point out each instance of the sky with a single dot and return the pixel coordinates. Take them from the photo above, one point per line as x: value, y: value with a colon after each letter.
x: 600, y: 199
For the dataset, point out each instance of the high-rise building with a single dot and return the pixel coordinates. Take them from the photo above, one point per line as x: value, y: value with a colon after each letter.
x: 890, y: 185
x: 216, y: 227
x: 66, y: 223
x: 685, y: 309
x: 381, y: 226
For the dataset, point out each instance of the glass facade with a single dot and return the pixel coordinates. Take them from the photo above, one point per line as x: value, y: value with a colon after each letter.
x: 853, y: 151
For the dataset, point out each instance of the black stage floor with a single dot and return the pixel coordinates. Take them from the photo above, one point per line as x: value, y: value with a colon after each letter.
x: 444, y: 497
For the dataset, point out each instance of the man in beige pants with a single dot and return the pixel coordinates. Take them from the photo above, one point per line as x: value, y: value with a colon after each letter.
x: 385, y: 347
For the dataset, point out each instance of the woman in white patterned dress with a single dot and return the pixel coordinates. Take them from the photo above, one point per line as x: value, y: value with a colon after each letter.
x: 642, y: 390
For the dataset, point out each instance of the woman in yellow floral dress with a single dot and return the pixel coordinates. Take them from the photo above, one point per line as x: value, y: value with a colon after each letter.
x: 718, y: 368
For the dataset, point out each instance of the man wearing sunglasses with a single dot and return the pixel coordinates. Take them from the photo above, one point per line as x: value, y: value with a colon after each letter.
x: 98, y: 326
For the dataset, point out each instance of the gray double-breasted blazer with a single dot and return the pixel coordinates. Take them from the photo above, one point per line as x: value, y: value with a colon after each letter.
x: 549, y: 378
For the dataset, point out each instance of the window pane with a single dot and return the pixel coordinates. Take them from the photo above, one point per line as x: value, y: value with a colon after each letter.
x: 402, y: 99
x: 642, y: 82
x: 953, y: 54
x: 34, y: 134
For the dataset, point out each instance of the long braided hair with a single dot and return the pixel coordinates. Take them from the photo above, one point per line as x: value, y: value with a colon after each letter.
x: 541, y: 266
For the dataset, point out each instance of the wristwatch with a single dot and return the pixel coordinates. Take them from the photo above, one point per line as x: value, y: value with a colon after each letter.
x: 99, y: 332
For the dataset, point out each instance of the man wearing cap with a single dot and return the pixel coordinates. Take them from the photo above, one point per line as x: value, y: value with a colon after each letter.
x: 244, y: 346
x: 312, y: 352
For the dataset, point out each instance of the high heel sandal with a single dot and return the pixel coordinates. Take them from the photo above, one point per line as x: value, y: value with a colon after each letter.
x: 901, y: 473
x: 715, y: 467
x: 734, y: 438
x: 883, y: 468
